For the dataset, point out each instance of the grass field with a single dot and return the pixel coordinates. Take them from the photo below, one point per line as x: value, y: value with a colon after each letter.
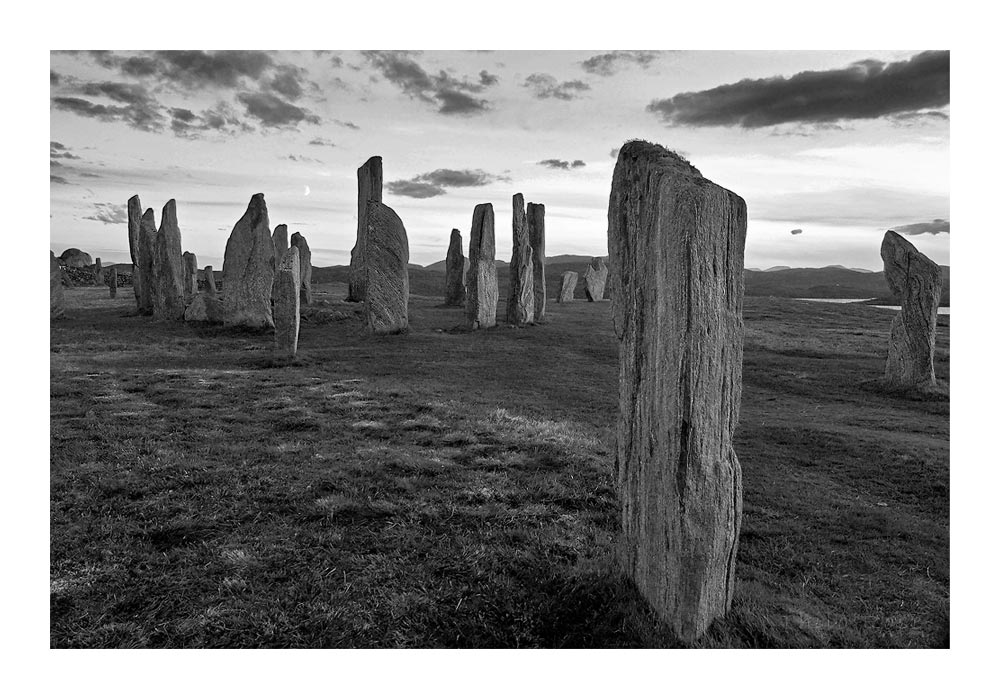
x: 454, y: 489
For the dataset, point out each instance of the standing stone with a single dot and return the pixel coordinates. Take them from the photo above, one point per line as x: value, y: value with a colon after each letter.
x: 248, y: 269
x: 210, y: 281
x: 305, y: 268
x: 594, y: 279
x: 454, y: 285
x: 57, y: 305
x: 139, y: 272
x: 916, y: 280
x: 145, y: 248
x: 536, y: 238
x: 280, y: 238
x: 206, y: 306
x: 112, y: 278
x: 286, y: 304
x: 481, y: 278
x: 387, y: 287
x: 168, y: 267
x: 520, y: 293
x: 190, y: 276
x: 369, y: 189
x: 98, y: 273
x: 676, y: 249
x: 568, y: 287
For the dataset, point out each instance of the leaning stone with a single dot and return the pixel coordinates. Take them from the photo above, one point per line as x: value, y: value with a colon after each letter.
x: 536, y: 238
x: 57, y: 305
x: 190, y: 276
x: 112, y: 280
x: 594, y: 279
x: 286, y: 304
x: 481, y: 277
x: 916, y: 280
x: 139, y: 271
x: 98, y: 273
x: 305, y: 268
x: 454, y: 285
x: 168, y: 267
x: 676, y: 253
x: 567, y: 287
x: 520, y: 292
x: 145, y: 249
x: 248, y: 269
x: 387, y: 287
x: 369, y: 189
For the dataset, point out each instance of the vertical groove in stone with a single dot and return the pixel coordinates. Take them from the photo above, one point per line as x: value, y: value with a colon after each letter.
x: 481, y: 279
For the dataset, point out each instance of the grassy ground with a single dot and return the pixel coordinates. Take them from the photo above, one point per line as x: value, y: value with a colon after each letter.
x: 452, y: 489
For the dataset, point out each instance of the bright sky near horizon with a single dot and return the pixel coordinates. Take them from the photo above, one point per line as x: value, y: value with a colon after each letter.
x: 828, y: 148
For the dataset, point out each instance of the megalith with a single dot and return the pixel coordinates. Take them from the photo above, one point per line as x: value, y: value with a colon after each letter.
x: 454, y: 282
x: 567, y: 287
x: 168, y: 266
x: 676, y: 244
x: 594, y: 279
x: 536, y: 238
x: 305, y: 268
x: 210, y: 280
x: 248, y: 269
x: 916, y: 280
x: 57, y: 305
x: 481, y: 278
x: 111, y: 278
x: 190, y: 276
x: 369, y: 189
x: 520, y: 292
x: 280, y: 238
x: 145, y: 247
x: 98, y: 272
x: 387, y: 283
x: 140, y: 271
x: 286, y: 304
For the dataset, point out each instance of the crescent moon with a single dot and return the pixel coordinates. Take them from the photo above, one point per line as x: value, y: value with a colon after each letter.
x: 306, y: 193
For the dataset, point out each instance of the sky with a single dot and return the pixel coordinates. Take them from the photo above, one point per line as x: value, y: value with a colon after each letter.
x: 828, y: 148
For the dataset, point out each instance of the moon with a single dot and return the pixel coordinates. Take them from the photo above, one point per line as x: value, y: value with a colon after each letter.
x: 306, y: 193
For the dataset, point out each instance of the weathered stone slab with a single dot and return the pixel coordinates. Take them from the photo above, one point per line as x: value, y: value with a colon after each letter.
x: 145, y: 249
x: 190, y: 276
x: 305, y: 268
x: 594, y: 279
x: 916, y: 280
x: 139, y: 272
x: 567, y: 287
x: 520, y: 292
x: 111, y: 277
x: 168, y: 267
x: 98, y: 273
x: 369, y: 189
x: 280, y: 239
x: 481, y: 278
x: 206, y: 307
x: 387, y: 286
x: 676, y: 254
x: 287, y: 285
x: 57, y: 304
x: 454, y: 282
x: 248, y: 269
x: 536, y: 238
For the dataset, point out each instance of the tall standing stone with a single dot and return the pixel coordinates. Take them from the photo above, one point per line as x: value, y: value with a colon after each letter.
x: 168, y: 267
x: 190, y: 276
x: 280, y: 238
x: 112, y: 279
x: 210, y: 281
x: 916, y: 280
x: 139, y: 272
x: 145, y: 248
x: 248, y: 269
x: 536, y: 238
x: 568, y: 287
x: 57, y: 305
x: 305, y: 267
x: 454, y: 284
x: 98, y: 272
x: 676, y: 251
x: 369, y: 189
x: 286, y: 304
x: 387, y: 286
x: 481, y: 278
x: 520, y: 293
x: 594, y: 279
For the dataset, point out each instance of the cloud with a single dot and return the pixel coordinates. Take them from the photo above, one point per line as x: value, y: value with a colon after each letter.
x: 287, y: 81
x: 547, y: 87
x: 193, y: 69
x: 143, y: 117
x: 301, y: 159
x: 436, y: 183
x: 222, y: 118
x: 863, y: 90
x: 606, y: 64
x: 938, y: 225
x: 919, y: 118
x: 561, y: 164
x: 319, y: 141
x: 273, y: 111
x: 56, y: 179
x: 877, y: 207
x: 108, y: 213
x: 58, y: 150
x: 347, y: 124
x: 451, y: 95
x: 416, y: 190
x: 796, y: 231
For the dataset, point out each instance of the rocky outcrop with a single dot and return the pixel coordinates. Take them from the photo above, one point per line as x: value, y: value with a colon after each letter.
x: 568, y: 287
x: 305, y: 268
x: 190, y: 276
x: 481, y: 278
x: 369, y: 189
x: 74, y: 257
x: 454, y: 283
x: 676, y: 245
x: 387, y: 283
x: 145, y: 248
x: 248, y: 269
x: 287, y: 286
x: 594, y: 279
x: 57, y: 304
x: 916, y: 280
x: 168, y: 267
x: 536, y: 238
x: 134, y: 210
x: 520, y: 291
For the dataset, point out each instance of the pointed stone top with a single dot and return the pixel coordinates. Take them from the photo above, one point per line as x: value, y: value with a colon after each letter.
x: 169, y: 215
x: 375, y: 160
x: 281, y: 227
x: 455, y: 231
x: 660, y: 156
x: 133, y: 198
